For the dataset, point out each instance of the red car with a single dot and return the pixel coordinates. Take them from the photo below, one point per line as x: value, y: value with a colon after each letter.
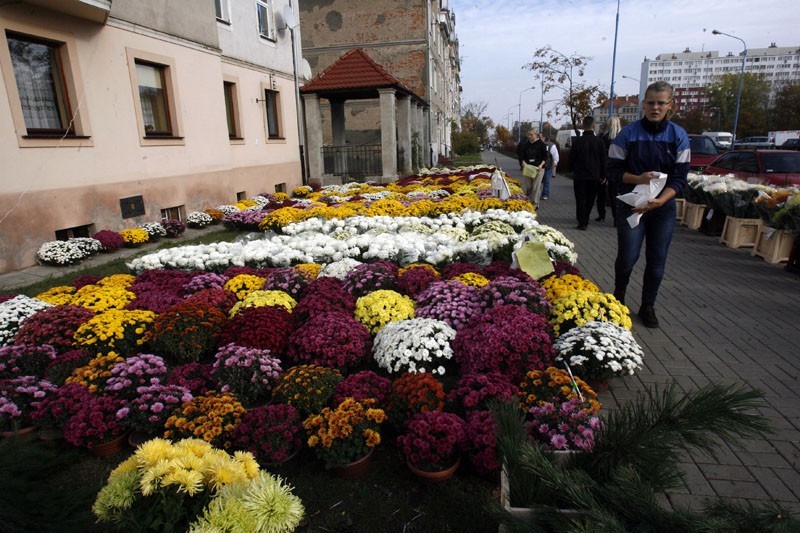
x: 704, y: 151
x: 773, y: 167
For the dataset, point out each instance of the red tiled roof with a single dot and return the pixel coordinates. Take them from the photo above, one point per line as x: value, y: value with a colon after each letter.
x: 354, y: 70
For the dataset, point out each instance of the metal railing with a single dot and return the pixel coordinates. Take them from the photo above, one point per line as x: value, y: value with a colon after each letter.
x: 353, y: 162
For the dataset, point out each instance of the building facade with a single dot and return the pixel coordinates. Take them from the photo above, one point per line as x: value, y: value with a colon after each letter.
x: 625, y: 107
x: 414, y: 40
x: 115, y: 114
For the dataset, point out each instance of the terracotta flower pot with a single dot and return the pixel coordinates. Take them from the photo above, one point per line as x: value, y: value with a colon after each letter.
x: 598, y: 385
x: 21, y: 431
x: 111, y: 447
x: 432, y: 478
x: 354, y: 469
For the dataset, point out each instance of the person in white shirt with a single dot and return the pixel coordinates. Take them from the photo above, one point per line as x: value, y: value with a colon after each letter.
x: 549, y: 166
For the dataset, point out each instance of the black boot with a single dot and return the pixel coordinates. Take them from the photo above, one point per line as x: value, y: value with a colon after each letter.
x: 648, y: 315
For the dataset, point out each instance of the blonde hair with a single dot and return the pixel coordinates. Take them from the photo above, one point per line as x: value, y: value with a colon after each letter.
x: 613, y: 127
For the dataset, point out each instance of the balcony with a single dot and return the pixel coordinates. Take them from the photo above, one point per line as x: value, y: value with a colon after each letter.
x: 92, y: 10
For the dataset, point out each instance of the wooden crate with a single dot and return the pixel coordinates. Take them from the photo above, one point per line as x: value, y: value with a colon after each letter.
x: 773, y: 245
x: 680, y: 209
x: 693, y: 215
x: 740, y: 232
x: 522, y: 513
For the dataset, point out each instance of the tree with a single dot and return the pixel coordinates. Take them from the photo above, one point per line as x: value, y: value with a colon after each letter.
x: 786, y: 111
x: 563, y: 74
x: 503, y: 138
x: 693, y: 119
x: 753, y: 108
x: 474, y: 119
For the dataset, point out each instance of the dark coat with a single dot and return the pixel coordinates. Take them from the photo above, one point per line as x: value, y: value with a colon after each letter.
x: 532, y: 153
x: 587, y: 157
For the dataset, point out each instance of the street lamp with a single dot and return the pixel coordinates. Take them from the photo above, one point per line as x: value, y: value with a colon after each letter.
x: 741, y: 80
x: 510, y: 114
x: 519, y: 112
x: 639, y: 98
x: 613, y: 65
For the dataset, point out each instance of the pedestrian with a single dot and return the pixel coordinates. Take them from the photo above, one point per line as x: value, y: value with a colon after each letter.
x: 588, y: 161
x: 609, y: 188
x: 550, y: 165
x: 641, y: 151
x: 533, y: 152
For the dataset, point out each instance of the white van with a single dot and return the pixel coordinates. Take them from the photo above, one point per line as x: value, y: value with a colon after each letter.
x: 564, y: 138
x: 722, y: 139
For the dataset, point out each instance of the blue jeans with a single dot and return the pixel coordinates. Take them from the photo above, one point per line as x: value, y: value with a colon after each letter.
x: 548, y: 173
x: 655, y: 227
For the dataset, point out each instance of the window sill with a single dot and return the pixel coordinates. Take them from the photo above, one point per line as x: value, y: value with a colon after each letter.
x: 54, y: 136
x: 162, y: 141
x: 237, y: 140
x: 55, y: 141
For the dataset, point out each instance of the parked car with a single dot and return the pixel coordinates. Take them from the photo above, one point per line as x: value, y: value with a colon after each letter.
x: 791, y: 144
x: 704, y: 151
x: 753, y: 143
x: 774, y: 167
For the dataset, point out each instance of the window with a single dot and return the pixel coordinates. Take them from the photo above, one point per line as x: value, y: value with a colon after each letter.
x: 153, y: 98
x: 39, y: 75
x: 241, y: 195
x: 74, y: 233
x: 223, y: 10
x: 280, y: 187
x: 232, y: 110
x: 173, y: 213
x: 272, y: 106
x: 266, y: 24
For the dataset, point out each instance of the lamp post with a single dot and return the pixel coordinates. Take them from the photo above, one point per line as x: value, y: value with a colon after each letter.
x: 741, y: 81
x: 519, y: 112
x: 541, y: 109
x: 613, y: 65
x: 638, y: 98
x: 510, y: 114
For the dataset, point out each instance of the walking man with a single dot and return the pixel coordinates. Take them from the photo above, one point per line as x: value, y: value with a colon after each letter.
x: 588, y: 161
x: 550, y: 165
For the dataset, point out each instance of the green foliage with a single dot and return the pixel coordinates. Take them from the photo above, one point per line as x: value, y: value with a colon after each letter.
x: 753, y: 112
x: 786, y: 111
x: 465, y: 142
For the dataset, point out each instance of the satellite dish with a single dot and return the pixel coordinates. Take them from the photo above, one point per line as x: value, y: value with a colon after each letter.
x: 305, y: 69
x: 288, y: 17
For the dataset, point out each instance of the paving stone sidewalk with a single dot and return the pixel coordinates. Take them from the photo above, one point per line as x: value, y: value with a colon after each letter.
x: 726, y: 317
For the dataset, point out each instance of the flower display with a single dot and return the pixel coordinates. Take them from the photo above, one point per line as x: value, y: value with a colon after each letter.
x: 119, y: 330
x: 56, y: 408
x: 378, y: 308
x: 196, y: 377
x: 472, y: 278
x: 187, y: 332
x: 25, y: 360
x: 272, y: 433
x: 157, y: 301
x: 480, y: 444
x: 216, y: 215
x: 198, y: 219
x: 563, y: 267
x: 414, y: 345
x: 95, y: 422
x: 451, y: 302
x: 413, y: 393
x: 247, y: 220
x: 155, y: 230
x: 61, y: 253
x: 511, y: 291
x: 261, y: 298
x: 211, y: 417
x: 502, y: 269
x: 173, y: 228
x: 96, y: 372
x: 219, y: 298
x: 564, y: 426
x: 599, y: 350
x: 415, y: 279
x: 265, y: 328
x: 99, y: 298
x: 110, y: 241
x: 204, y: 280
x: 555, y: 385
x: 363, y: 385
x: 290, y: 280
x: 507, y: 339
x: 137, y: 371
x: 243, y: 284
x: 14, y: 312
x: 345, y: 433
x: 134, y: 236
x: 332, y: 339
x: 474, y: 391
x: 558, y: 286
x: 193, y: 486
x: 579, y: 307
x: 323, y: 295
x: 249, y: 373
x: 151, y: 405
x: 65, y: 364
x: 432, y: 440
x: 307, y: 387
x: 55, y: 326
x: 59, y: 295
x: 370, y: 277
x: 19, y: 398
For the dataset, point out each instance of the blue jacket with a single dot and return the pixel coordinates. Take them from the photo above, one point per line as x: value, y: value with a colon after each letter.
x: 646, y: 146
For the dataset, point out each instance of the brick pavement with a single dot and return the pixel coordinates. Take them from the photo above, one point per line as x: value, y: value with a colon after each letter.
x: 725, y: 317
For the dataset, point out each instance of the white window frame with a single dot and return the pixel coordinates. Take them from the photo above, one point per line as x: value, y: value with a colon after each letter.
x: 222, y: 9
x: 268, y: 18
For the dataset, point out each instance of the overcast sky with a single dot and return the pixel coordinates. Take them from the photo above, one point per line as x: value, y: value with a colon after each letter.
x: 498, y: 37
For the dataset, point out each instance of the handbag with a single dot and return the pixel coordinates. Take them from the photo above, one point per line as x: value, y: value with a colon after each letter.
x: 531, y: 171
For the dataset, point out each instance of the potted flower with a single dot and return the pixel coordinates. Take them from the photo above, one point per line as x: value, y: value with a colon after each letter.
x: 148, y: 411
x: 370, y: 277
x: 415, y: 345
x: 412, y: 393
x: 414, y: 279
x: 138, y: 371
x: 65, y: 364
x: 579, y: 307
x: 155, y: 230
x: 432, y: 442
x: 307, y: 387
x: 451, y: 302
x: 111, y: 241
x: 565, y: 426
x: 249, y: 373
x: 511, y: 291
x: 378, y: 308
x: 324, y: 295
x: 55, y: 326
x: 198, y: 219
x: 555, y: 385
x: 54, y: 410
x: 287, y: 279
x: 13, y: 312
x: 196, y: 377
x: 363, y: 385
x: 205, y: 493
x: 19, y: 398
x: 134, y: 237
x: 25, y: 360
x: 272, y: 433
x: 187, y: 332
x: 599, y: 350
x: 480, y: 445
x: 557, y: 286
x: 259, y: 327
x: 474, y: 391
x: 211, y: 417
x: 96, y: 424
x: 332, y: 339
x: 116, y: 329
x: 173, y: 228
x: 346, y: 433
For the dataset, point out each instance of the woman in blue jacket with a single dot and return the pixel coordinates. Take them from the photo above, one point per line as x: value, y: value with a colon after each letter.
x: 641, y: 151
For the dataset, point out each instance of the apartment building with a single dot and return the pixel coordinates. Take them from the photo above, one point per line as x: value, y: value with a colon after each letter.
x: 625, y: 107
x: 413, y: 40
x: 115, y: 114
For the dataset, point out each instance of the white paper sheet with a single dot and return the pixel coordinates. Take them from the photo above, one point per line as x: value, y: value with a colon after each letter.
x: 642, y: 194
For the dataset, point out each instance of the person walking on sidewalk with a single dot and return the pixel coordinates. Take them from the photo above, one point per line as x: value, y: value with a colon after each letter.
x: 532, y: 151
x: 608, y: 190
x: 641, y: 151
x: 550, y: 164
x: 588, y: 161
